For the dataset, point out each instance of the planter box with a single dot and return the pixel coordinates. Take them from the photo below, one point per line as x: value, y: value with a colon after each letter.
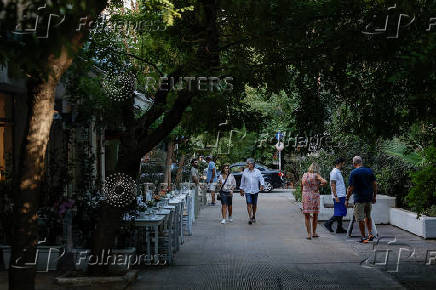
x: 6, y: 251
x: 82, y: 259
x: 380, y: 210
x: 424, y: 226
x: 291, y: 195
x: 125, y: 252
x: 47, y: 259
x: 80, y: 263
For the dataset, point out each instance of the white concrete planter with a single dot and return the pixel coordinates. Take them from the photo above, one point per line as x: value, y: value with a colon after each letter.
x: 291, y: 195
x: 81, y: 259
x: 6, y: 255
x: 424, y: 226
x: 126, y: 253
x: 380, y: 210
x: 48, y: 257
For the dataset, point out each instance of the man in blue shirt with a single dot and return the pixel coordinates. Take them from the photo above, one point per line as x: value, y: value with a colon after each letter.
x: 362, y: 184
x: 211, y: 177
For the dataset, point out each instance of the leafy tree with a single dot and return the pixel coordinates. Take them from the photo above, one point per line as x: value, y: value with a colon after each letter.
x: 42, y: 69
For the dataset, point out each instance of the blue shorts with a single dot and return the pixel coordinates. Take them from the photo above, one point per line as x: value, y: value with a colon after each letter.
x: 226, y: 199
x: 251, y: 198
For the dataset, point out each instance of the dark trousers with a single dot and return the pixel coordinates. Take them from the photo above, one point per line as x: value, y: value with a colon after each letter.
x: 337, y: 219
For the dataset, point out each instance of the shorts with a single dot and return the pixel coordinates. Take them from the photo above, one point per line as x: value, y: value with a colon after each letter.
x: 362, y: 210
x: 339, y: 207
x: 226, y: 199
x: 212, y: 187
x: 251, y: 198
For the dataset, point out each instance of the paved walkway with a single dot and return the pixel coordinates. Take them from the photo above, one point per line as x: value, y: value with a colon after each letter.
x: 274, y: 254
x: 271, y: 254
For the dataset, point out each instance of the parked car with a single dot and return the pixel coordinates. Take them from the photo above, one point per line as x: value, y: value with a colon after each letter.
x: 271, y: 176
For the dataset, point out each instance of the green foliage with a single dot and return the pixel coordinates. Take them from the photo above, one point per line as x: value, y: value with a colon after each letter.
x: 397, y: 148
x: 422, y: 195
x: 28, y: 53
x: 431, y: 211
x: 298, y: 192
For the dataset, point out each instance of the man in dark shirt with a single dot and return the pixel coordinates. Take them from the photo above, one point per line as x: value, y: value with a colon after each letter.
x: 362, y: 184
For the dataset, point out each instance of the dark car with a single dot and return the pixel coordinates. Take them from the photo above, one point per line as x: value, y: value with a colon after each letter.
x: 271, y: 176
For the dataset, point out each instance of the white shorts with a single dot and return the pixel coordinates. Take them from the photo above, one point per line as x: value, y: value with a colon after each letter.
x: 212, y: 187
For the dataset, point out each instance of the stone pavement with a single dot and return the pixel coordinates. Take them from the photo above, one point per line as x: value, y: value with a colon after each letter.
x: 271, y: 254
x: 274, y: 254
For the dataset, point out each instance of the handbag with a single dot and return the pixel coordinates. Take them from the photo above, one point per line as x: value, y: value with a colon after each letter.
x: 221, y: 190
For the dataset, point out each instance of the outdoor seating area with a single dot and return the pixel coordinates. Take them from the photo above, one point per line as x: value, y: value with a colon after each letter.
x: 160, y: 229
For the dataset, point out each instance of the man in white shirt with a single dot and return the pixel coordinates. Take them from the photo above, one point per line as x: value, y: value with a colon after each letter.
x: 339, y: 194
x: 250, y: 180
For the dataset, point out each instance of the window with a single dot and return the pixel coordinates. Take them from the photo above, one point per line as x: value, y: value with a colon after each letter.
x: 6, y: 134
x: 238, y: 169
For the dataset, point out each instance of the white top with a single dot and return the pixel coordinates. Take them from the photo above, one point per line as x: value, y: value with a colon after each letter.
x: 250, y: 180
x: 194, y: 173
x: 336, y: 175
x: 230, y: 184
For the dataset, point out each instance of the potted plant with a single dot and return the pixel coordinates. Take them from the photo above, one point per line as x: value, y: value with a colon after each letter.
x: 51, y: 231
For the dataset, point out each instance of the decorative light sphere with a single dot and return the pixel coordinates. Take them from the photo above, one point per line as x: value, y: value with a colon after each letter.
x: 119, y: 87
x: 119, y: 190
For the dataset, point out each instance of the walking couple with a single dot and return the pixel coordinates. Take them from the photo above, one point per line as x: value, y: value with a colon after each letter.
x: 251, y: 183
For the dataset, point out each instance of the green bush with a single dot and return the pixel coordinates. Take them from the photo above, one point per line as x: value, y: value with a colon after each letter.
x: 297, y: 193
x: 393, y: 177
x: 422, y: 195
x: 431, y: 211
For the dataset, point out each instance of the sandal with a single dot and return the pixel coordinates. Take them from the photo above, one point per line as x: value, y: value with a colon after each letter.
x: 371, y: 237
x: 363, y: 240
x: 315, y: 236
x: 308, y: 238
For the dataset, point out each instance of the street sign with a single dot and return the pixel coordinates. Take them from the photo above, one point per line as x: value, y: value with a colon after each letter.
x: 280, y: 146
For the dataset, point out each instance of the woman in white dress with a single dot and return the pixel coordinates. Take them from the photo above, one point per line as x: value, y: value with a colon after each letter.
x: 228, y: 183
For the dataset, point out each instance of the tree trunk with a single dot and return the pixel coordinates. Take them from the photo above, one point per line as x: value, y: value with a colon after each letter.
x: 41, y: 92
x: 169, y: 161
x: 179, y: 174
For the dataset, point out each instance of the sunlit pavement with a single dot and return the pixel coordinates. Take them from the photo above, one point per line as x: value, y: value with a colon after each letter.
x: 271, y: 254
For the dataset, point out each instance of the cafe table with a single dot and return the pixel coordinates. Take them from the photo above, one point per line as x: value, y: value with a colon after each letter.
x: 178, y: 202
x: 151, y: 222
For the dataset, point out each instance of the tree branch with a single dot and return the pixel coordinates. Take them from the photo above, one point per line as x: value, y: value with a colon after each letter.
x: 170, y: 121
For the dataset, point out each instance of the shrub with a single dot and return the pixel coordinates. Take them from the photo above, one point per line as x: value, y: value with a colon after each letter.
x: 297, y: 193
x: 431, y: 211
x: 422, y: 195
x: 393, y: 177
